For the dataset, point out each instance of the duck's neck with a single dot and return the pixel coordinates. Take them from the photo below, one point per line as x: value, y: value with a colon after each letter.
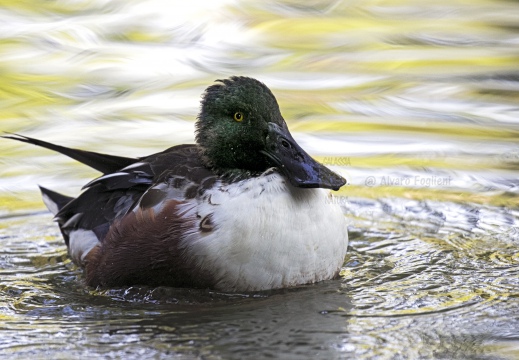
x: 230, y: 174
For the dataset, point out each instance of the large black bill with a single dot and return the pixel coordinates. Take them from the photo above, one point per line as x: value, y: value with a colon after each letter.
x: 296, y: 164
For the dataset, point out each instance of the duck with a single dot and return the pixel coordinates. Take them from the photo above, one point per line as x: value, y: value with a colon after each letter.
x: 243, y: 209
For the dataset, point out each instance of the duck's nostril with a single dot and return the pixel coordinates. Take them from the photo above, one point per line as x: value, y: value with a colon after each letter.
x: 285, y: 144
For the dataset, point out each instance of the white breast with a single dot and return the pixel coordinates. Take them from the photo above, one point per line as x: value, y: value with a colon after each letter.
x: 268, y: 234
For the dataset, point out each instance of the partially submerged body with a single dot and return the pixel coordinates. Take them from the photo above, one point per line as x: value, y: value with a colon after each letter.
x: 245, y: 209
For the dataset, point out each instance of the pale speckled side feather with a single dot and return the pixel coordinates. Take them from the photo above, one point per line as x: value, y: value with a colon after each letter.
x: 80, y: 244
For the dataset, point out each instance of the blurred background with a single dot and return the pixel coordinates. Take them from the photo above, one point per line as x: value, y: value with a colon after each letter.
x: 415, y: 102
x: 390, y: 89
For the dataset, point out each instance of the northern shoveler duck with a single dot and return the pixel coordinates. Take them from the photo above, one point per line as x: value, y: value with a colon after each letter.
x: 243, y: 209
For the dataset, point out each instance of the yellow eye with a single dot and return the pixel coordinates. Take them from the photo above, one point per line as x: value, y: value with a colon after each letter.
x: 238, y: 116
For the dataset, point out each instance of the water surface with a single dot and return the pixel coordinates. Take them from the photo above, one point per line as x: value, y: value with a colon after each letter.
x: 415, y: 103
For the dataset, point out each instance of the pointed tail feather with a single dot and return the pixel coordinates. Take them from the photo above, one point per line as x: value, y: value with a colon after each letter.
x: 53, y: 200
x: 101, y: 162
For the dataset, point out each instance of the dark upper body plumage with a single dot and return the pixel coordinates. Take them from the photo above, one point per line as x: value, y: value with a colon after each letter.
x: 130, y: 225
x: 116, y: 193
